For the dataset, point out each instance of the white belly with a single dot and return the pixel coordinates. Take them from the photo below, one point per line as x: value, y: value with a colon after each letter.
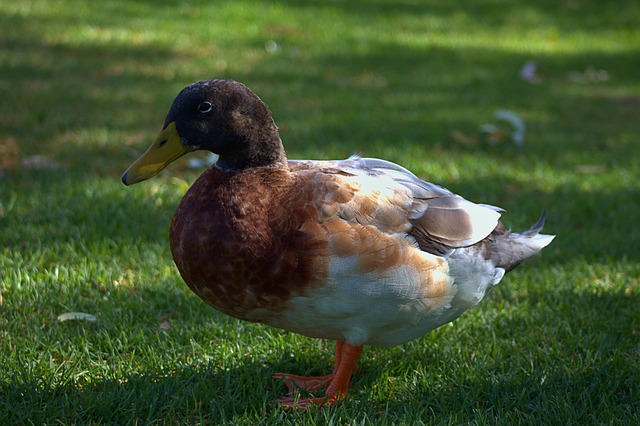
x: 386, y: 310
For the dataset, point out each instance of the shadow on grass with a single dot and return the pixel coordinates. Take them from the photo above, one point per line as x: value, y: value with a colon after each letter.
x: 196, y: 387
x: 592, y: 372
x: 391, y: 95
x: 68, y: 100
x: 186, y: 395
x: 593, y: 15
x: 142, y: 373
x: 409, y: 112
x: 332, y: 104
x: 591, y: 224
x: 374, y: 108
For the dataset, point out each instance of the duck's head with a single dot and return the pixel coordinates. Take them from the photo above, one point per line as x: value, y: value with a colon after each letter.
x: 221, y: 116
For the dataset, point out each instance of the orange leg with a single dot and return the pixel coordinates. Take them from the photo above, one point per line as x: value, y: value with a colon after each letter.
x: 311, y: 384
x: 338, y: 382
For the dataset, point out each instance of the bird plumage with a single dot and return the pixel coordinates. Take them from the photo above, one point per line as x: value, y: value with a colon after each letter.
x: 360, y: 250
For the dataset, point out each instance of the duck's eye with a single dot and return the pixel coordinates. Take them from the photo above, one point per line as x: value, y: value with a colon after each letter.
x: 205, y: 107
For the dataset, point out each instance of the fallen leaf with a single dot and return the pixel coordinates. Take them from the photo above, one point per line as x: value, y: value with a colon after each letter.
x: 463, y: 139
x: 590, y: 168
x: 39, y: 162
x: 507, y: 126
x: 77, y: 316
x: 271, y: 46
x: 9, y: 154
x: 589, y: 75
x: 629, y: 100
x: 517, y: 124
x: 528, y: 72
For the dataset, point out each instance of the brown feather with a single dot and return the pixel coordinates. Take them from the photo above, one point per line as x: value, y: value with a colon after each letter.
x: 248, y: 241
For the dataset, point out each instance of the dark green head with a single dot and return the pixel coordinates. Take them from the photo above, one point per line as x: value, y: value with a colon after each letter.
x: 221, y: 116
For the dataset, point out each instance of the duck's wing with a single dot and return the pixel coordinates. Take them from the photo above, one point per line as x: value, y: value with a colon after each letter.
x: 390, y: 197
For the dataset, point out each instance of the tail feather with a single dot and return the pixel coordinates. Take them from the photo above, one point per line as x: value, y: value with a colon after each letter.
x: 512, y: 248
x: 537, y: 227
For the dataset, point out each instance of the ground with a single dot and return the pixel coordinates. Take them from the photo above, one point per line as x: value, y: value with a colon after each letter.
x: 85, y: 88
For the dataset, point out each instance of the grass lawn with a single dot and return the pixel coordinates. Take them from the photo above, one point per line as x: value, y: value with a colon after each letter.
x: 85, y: 87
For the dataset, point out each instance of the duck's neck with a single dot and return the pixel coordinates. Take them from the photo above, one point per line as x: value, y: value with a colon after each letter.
x: 262, y: 147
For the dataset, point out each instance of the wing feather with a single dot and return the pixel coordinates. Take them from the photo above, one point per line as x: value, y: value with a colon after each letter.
x: 384, y: 193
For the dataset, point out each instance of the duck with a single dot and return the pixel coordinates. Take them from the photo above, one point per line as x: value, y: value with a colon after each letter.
x: 359, y: 251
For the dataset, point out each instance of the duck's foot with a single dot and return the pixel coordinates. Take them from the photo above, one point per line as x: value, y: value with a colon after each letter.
x: 336, y: 384
x: 294, y: 383
x: 310, y: 384
x: 301, y: 404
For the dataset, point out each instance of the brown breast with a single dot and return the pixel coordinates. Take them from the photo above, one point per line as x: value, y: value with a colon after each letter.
x: 247, y: 242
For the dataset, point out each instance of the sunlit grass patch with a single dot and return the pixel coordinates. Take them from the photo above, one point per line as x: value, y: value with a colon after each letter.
x: 85, y: 88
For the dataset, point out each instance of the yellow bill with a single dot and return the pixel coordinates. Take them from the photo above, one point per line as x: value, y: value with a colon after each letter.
x: 165, y: 149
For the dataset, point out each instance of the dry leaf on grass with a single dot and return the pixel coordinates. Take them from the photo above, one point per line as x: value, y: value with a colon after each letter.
x: 40, y: 162
x: 76, y: 316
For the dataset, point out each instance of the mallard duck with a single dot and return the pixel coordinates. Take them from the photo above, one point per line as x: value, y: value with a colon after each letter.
x: 360, y: 251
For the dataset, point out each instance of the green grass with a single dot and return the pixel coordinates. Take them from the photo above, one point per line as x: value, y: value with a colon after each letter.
x: 86, y: 84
